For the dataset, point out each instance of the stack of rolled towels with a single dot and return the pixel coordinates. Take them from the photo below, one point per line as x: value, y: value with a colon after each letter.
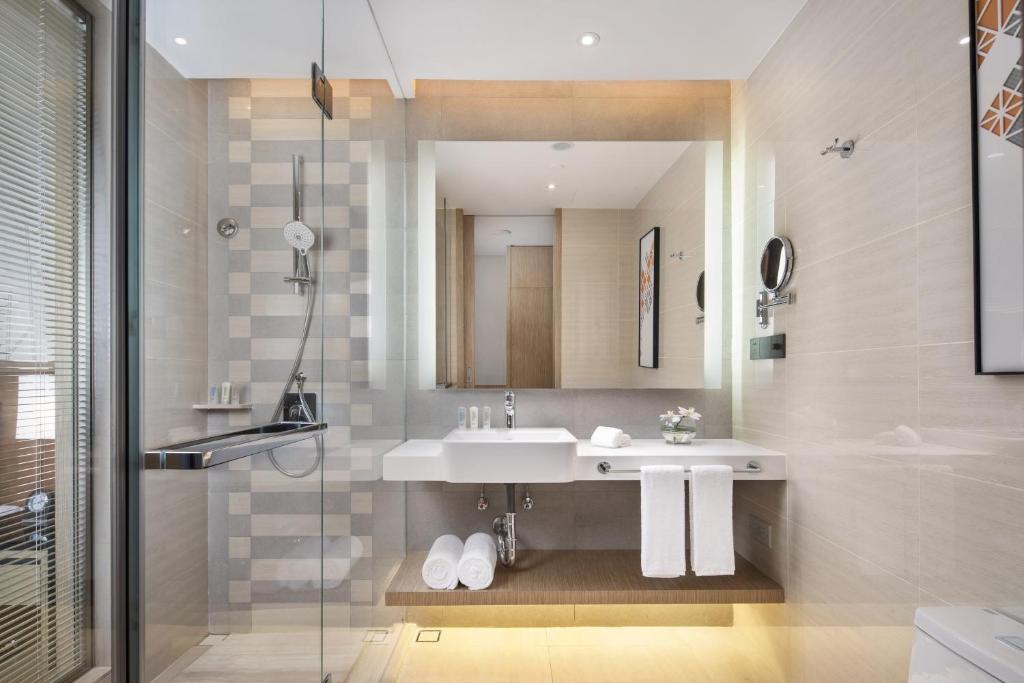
x: 450, y: 562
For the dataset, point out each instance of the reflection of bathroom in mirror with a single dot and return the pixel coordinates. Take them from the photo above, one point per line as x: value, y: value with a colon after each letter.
x: 536, y: 262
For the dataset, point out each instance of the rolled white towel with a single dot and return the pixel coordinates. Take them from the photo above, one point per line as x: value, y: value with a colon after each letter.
x: 607, y: 437
x: 441, y: 568
x: 479, y: 557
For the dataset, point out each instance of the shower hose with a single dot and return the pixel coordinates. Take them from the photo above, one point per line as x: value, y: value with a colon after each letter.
x: 279, y: 409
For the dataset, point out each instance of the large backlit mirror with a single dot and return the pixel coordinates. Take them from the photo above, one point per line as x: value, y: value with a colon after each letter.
x: 569, y: 264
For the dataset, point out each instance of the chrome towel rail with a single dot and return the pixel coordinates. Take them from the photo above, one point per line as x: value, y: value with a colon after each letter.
x: 604, y: 467
x: 216, y: 450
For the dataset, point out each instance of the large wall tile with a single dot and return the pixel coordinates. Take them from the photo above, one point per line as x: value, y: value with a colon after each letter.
x: 972, y: 540
x: 852, y: 400
x: 945, y: 294
x: 864, y: 298
x: 850, y: 621
x: 866, y: 505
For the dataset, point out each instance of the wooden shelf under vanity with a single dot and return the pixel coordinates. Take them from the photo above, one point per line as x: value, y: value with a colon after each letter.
x: 584, y: 577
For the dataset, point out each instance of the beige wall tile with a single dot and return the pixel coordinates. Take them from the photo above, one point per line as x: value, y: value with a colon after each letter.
x: 840, y: 307
x: 945, y: 298
x: 972, y: 540
x: 518, y: 89
x: 239, y: 151
x: 239, y: 108
x: 239, y: 195
x: 675, y: 89
x: 850, y: 620
x: 637, y: 118
x: 497, y: 118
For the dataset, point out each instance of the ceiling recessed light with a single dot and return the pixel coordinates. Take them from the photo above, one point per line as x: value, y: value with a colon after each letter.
x: 561, y: 146
x: 180, y: 41
x: 965, y: 40
x: 589, y: 39
x: 552, y: 186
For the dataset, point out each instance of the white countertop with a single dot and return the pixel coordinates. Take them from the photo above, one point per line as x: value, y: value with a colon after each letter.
x: 420, y: 459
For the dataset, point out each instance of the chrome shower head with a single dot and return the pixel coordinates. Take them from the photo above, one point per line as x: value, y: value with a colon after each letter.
x: 299, y: 236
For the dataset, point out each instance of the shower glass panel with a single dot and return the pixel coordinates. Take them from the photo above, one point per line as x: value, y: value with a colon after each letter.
x: 364, y: 230
x: 237, y: 286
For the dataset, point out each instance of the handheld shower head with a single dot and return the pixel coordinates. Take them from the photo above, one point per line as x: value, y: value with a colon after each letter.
x: 299, y: 236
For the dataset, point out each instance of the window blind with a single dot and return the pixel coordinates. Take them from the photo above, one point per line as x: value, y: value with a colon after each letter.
x: 44, y: 339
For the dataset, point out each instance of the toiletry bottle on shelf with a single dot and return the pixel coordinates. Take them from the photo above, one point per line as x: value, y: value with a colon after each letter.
x: 462, y: 417
x: 225, y: 392
x: 487, y: 417
x: 214, y: 396
x: 474, y: 417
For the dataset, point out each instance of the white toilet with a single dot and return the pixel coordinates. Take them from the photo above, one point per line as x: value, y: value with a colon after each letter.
x: 967, y: 645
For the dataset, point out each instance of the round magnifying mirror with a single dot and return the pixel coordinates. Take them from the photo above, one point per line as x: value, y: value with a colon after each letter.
x: 776, y: 264
x: 700, y: 292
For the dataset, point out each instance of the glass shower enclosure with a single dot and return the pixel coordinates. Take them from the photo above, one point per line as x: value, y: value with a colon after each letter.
x: 271, y: 242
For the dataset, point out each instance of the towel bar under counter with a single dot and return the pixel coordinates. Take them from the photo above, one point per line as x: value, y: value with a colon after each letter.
x: 605, y: 467
x: 216, y: 450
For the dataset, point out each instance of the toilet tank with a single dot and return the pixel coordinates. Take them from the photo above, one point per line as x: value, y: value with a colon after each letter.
x: 966, y: 645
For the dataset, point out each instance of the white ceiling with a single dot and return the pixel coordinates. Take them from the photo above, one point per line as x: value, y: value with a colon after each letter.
x: 511, y: 178
x: 492, y: 234
x: 469, y: 39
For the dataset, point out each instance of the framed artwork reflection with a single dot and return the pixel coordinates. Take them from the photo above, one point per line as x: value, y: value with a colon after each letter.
x: 648, y: 299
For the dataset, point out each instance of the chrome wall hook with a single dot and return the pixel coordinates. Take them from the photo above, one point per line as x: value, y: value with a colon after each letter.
x: 845, y: 150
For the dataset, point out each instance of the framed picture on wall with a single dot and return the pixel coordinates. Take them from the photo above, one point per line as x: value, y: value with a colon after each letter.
x: 648, y: 299
x: 998, y: 160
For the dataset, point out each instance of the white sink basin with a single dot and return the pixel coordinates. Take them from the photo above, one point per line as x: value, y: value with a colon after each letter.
x: 502, y: 456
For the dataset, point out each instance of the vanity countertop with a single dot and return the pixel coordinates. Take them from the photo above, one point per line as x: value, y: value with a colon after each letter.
x: 420, y: 459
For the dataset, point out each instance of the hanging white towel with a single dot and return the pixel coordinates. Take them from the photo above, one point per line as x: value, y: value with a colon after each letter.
x: 711, y: 547
x: 476, y: 568
x: 441, y: 568
x: 662, y: 521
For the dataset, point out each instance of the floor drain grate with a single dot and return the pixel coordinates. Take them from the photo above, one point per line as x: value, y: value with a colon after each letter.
x: 375, y: 636
x: 428, y: 636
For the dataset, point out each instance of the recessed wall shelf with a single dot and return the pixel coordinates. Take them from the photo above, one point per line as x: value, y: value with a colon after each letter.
x: 221, y: 406
x: 584, y: 577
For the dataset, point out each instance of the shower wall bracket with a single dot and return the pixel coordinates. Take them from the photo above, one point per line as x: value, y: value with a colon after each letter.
x: 323, y: 93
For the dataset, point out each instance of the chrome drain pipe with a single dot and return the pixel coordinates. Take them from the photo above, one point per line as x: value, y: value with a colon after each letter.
x: 505, y: 529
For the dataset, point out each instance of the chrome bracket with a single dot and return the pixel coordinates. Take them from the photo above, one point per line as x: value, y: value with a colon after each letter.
x: 845, y: 150
x: 766, y: 301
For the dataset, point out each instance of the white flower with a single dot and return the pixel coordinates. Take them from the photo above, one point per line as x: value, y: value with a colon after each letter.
x: 674, y: 417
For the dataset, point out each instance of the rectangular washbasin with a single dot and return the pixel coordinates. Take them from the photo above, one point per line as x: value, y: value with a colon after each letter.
x: 502, y: 456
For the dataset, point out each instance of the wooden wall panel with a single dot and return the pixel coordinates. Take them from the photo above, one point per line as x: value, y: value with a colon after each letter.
x: 530, y: 318
x: 556, y: 304
x: 467, y: 372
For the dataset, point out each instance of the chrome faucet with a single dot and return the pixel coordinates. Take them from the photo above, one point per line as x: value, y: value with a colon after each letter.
x: 510, y: 410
